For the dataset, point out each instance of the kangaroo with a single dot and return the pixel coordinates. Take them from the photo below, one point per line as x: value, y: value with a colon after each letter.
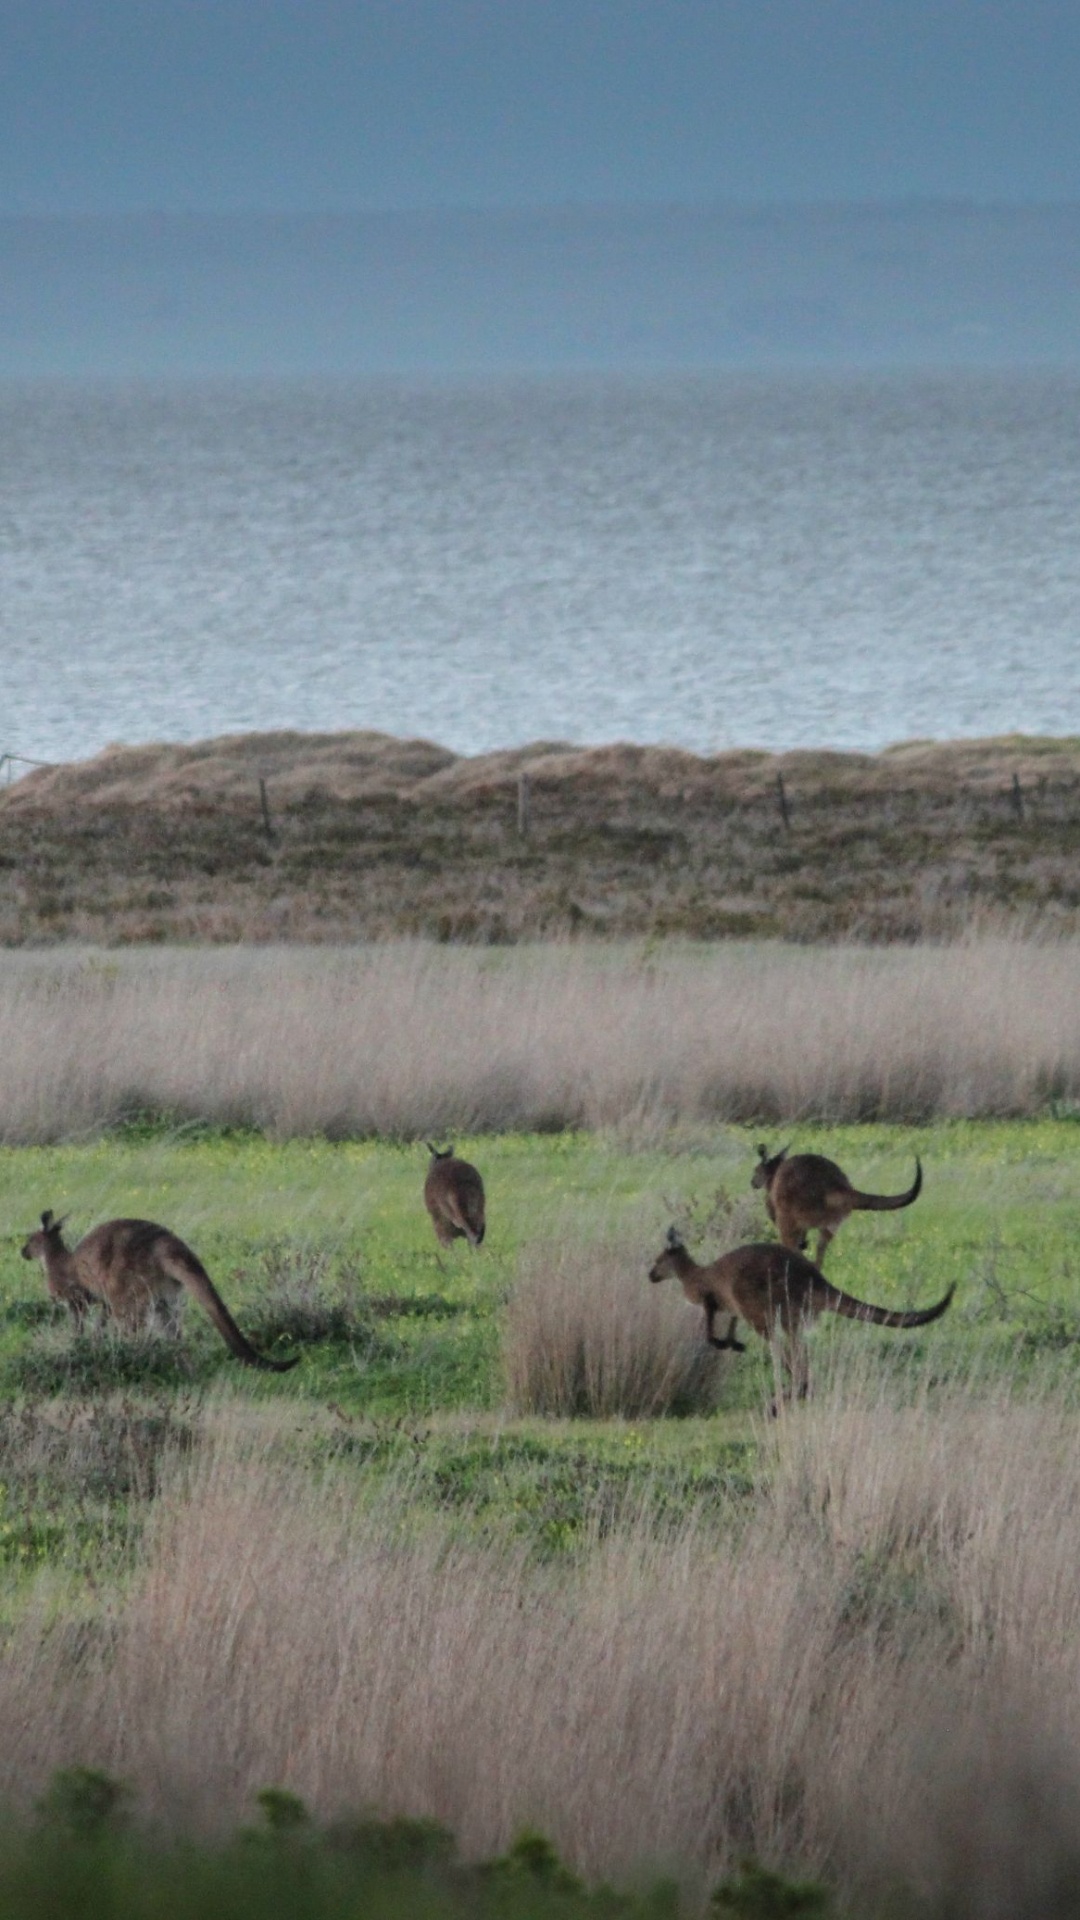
x: 454, y: 1197
x: 138, y: 1272
x: 810, y: 1191
x: 769, y: 1286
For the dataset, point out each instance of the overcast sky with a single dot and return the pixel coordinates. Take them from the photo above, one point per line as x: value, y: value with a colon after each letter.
x: 107, y: 105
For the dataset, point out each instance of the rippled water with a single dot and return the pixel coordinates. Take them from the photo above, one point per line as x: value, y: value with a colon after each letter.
x: 709, y: 561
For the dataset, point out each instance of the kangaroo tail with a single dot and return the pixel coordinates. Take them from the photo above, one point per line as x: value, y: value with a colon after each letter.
x: 192, y: 1275
x: 470, y: 1224
x: 886, y: 1202
x: 882, y: 1316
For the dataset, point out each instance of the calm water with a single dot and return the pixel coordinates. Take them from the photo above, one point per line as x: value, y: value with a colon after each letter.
x: 713, y: 562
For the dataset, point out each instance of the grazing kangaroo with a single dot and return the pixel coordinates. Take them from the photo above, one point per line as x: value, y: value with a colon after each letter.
x: 139, y: 1272
x: 773, y: 1286
x: 809, y: 1191
x: 454, y: 1197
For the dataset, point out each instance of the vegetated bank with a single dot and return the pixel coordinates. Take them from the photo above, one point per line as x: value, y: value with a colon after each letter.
x: 314, y: 837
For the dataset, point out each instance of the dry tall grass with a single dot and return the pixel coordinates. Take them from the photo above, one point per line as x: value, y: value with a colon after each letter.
x: 416, y: 1039
x: 870, y: 1671
x: 582, y: 1334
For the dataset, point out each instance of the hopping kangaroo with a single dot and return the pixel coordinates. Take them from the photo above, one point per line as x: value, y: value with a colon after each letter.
x: 771, y: 1286
x: 454, y: 1197
x: 809, y: 1191
x: 139, y: 1273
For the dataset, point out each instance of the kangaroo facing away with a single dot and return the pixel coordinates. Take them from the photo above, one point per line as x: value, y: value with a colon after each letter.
x: 454, y: 1197
x: 809, y: 1191
x: 139, y: 1273
x: 770, y: 1287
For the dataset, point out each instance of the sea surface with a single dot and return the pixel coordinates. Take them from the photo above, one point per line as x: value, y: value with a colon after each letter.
x: 710, y: 561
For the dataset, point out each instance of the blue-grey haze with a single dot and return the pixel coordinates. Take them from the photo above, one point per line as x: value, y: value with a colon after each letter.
x: 615, y: 288
x: 114, y: 105
x: 710, y: 560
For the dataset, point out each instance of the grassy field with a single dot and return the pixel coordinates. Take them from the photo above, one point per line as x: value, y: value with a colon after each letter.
x: 669, y: 1643
x: 366, y: 837
x: 315, y: 1221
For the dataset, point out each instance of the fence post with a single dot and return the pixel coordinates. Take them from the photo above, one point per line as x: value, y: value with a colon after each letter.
x: 268, y: 825
x: 1017, y: 797
x: 523, y: 806
x: 785, y: 814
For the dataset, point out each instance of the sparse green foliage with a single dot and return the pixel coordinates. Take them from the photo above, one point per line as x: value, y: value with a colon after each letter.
x: 285, y: 1813
x: 84, y: 1803
x: 757, y: 1894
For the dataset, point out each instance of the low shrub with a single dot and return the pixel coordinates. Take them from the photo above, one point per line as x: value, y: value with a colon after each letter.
x: 585, y: 1334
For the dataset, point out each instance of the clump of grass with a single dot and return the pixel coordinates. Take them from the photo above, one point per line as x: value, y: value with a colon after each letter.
x: 101, y: 1360
x: 719, y: 1220
x: 304, y: 1299
x: 77, y: 1479
x: 585, y: 1334
x: 105, y: 1448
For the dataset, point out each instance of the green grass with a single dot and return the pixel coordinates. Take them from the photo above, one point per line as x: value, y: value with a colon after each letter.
x: 400, y: 1344
x: 997, y: 1217
x: 79, y: 1860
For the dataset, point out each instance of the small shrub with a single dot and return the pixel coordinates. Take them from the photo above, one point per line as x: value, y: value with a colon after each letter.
x: 84, y: 1802
x: 757, y: 1894
x: 720, y: 1220
x: 585, y: 1334
x: 285, y: 1813
x: 397, y: 1845
x: 302, y: 1301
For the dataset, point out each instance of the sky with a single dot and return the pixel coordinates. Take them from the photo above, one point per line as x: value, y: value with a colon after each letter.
x: 108, y: 106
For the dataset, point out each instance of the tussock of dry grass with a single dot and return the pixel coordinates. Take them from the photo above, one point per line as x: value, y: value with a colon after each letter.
x: 861, y: 1674
x: 582, y: 1335
x: 416, y: 1040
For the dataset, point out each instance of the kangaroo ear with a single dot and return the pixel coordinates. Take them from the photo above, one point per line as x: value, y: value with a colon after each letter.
x: 46, y: 1219
x: 762, y: 1150
x: 674, y: 1238
x: 784, y: 1151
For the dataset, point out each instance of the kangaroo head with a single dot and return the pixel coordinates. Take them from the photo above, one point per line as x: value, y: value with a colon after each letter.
x: 46, y: 1238
x: 671, y: 1259
x: 767, y: 1164
x: 439, y: 1153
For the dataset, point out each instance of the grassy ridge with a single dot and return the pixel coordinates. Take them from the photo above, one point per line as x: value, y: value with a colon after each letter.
x: 375, y: 838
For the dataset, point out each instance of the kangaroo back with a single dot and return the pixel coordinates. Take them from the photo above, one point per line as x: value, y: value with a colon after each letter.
x: 887, y: 1202
x: 454, y: 1197
x: 178, y: 1260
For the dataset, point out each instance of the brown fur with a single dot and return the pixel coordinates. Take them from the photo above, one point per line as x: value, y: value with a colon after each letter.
x: 773, y: 1287
x: 808, y: 1191
x: 454, y: 1197
x: 139, y: 1273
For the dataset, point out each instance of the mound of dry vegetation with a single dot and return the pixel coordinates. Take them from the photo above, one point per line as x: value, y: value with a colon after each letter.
x: 357, y: 835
